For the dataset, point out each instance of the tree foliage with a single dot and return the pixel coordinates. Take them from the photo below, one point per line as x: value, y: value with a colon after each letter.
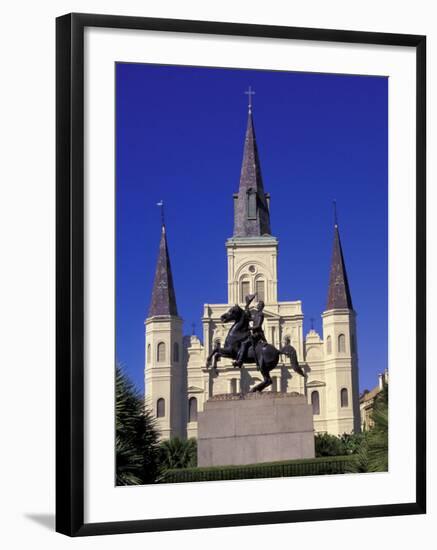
x: 377, y: 438
x: 137, y: 447
x: 372, y: 455
x: 178, y: 453
x: 351, y: 442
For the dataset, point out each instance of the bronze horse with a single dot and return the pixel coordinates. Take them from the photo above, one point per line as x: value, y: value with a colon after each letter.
x: 267, y: 355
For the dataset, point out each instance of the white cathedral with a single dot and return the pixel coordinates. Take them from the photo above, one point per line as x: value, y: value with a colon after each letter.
x: 177, y: 381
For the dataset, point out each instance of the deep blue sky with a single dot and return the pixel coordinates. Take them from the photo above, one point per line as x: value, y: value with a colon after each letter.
x: 180, y: 134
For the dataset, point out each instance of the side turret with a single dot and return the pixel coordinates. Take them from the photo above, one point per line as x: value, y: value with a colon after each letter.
x: 340, y: 348
x: 165, y: 371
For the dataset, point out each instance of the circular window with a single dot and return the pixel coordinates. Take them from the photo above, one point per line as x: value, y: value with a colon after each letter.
x: 252, y: 268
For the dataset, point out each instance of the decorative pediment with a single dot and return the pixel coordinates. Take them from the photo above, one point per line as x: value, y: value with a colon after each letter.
x: 315, y: 384
x: 194, y: 389
x: 313, y: 337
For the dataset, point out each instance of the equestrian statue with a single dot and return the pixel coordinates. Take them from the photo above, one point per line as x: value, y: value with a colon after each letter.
x: 246, y: 343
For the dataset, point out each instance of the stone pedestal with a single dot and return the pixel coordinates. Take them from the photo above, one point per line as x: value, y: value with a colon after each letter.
x: 254, y: 428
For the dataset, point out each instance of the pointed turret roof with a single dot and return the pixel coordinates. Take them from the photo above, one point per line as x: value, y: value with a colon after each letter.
x: 253, y: 221
x: 339, y: 296
x: 163, y: 295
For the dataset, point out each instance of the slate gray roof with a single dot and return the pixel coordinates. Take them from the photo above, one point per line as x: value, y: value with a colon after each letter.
x: 163, y: 295
x: 339, y: 296
x: 251, y: 179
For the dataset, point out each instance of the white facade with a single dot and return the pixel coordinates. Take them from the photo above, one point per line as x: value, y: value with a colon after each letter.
x: 331, y: 363
x: 165, y: 374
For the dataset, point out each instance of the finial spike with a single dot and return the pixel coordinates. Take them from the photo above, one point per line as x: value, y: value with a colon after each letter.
x: 250, y: 93
x: 193, y: 332
x: 161, y: 205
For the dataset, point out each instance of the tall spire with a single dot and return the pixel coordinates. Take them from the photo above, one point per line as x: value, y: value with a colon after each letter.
x: 339, y: 296
x: 163, y: 295
x: 251, y: 215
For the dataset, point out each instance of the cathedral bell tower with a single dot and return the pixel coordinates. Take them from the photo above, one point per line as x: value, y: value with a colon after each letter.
x: 165, y: 378
x: 340, y: 340
x: 252, y: 251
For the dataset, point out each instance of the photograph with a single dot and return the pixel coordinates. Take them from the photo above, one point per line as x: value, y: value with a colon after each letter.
x: 215, y: 225
x: 251, y: 273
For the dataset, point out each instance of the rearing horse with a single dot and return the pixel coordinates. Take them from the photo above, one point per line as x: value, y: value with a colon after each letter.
x: 268, y: 355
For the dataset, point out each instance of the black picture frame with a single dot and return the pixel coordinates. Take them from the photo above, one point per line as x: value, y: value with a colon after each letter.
x: 70, y: 273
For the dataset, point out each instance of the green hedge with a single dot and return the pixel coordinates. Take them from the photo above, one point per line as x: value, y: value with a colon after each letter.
x: 307, y: 467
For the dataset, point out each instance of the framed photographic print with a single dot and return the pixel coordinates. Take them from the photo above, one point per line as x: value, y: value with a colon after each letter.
x: 240, y: 274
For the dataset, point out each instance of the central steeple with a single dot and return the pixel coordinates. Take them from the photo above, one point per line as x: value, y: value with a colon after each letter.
x: 252, y: 251
x: 251, y: 209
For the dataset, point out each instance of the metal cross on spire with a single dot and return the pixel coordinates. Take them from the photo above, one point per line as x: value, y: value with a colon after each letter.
x: 250, y: 93
x: 161, y: 205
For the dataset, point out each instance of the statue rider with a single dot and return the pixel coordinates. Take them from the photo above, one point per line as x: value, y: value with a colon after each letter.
x: 257, y: 333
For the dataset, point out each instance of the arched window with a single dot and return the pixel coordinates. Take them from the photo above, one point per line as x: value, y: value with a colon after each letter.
x: 341, y: 343
x: 260, y: 290
x: 245, y: 290
x: 344, y: 398
x: 328, y: 345
x: 315, y: 402
x: 175, y: 352
x: 352, y: 343
x: 234, y: 385
x: 192, y: 409
x: 160, y: 408
x: 149, y: 353
x: 273, y: 335
x: 160, y: 352
x: 251, y: 204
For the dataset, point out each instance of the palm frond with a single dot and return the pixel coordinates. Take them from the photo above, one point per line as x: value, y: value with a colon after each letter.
x: 137, y: 436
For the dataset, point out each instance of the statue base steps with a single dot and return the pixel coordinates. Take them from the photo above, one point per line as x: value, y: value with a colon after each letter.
x: 255, y: 427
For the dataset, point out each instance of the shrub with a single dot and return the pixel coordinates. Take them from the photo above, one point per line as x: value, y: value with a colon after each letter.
x: 331, y: 445
x: 314, y: 466
x: 328, y: 445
